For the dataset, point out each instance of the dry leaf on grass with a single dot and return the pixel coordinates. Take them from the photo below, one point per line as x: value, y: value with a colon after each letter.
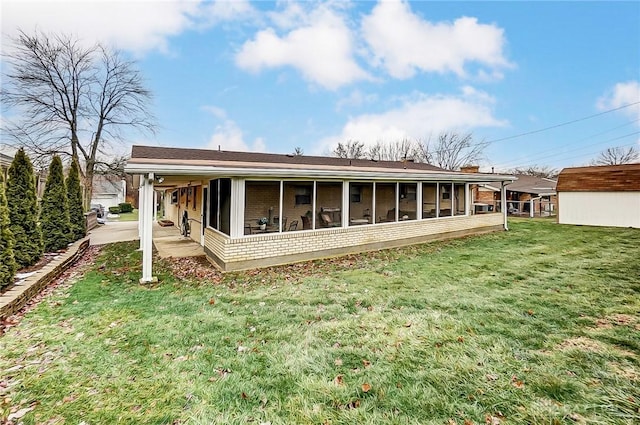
x: 366, y: 387
x: 516, y: 382
x: 20, y: 413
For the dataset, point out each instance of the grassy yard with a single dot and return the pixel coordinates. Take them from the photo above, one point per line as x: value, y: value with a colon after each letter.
x: 537, y: 325
x: 132, y: 216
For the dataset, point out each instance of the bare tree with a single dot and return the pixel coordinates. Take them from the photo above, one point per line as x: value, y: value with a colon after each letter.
x: 298, y: 151
x: 72, y: 100
x: 399, y: 150
x: 617, y: 155
x: 543, y: 171
x: 351, y: 149
x: 451, y: 150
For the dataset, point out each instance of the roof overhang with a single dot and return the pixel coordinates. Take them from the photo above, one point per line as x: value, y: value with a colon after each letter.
x: 227, y: 169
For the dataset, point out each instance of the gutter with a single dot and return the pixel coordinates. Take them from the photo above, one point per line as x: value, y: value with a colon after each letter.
x: 397, y: 175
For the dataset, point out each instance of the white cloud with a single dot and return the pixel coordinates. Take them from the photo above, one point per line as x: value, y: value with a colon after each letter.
x: 355, y: 99
x: 229, y: 136
x: 228, y: 10
x: 622, y: 94
x: 419, y: 117
x: 404, y: 43
x: 289, y: 18
x: 320, y: 47
x: 138, y: 26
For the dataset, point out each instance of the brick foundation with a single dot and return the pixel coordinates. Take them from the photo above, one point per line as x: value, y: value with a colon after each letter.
x: 256, y: 251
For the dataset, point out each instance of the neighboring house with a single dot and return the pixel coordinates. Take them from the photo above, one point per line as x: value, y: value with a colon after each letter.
x: 110, y: 191
x: 313, y: 207
x: 600, y: 195
x: 5, y: 163
x: 526, y: 196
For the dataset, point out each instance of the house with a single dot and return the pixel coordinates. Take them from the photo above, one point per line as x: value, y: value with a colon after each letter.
x: 5, y: 163
x: 600, y: 195
x: 253, y: 210
x: 110, y: 191
x: 526, y: 196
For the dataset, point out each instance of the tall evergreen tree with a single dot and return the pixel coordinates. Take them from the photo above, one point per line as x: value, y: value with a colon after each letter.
x: 54, y: 216
x: 7, y: 261
x: 23, y: 210
x: 74, y: 199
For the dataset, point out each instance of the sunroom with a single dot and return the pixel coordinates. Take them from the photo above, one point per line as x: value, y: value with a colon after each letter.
x: 253, y: 210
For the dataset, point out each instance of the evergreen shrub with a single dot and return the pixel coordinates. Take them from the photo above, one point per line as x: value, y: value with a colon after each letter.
x: 7, y: 260
x: 22, y: 202
x: 78, y: 224
x: 126, y: 207
x: 54, y: 216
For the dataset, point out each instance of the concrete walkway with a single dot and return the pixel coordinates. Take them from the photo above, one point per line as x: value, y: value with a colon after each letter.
x: 167, y: 240
x: 114, y: 231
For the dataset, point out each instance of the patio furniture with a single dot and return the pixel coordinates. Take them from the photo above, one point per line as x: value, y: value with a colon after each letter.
x: 247, y: 228
x: 332, y: 213
x: 359, y: 221
x: 326, y: 221
x: 306, y: 222
x: 293, y: 225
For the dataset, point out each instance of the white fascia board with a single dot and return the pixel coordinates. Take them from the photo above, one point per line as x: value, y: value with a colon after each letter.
x: 198, y: 170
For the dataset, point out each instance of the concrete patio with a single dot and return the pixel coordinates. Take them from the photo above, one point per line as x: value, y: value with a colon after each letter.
x: 167, y: 240
x: 170, y: 243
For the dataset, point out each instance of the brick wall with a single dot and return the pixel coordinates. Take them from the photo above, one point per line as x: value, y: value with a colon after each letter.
x: 280, y: 248
x: 259, y: 196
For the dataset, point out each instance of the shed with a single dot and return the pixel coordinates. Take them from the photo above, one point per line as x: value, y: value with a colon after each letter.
x: 600, y: 195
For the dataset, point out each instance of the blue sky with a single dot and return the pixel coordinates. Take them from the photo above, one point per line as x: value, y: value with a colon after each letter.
x: 271, y: 76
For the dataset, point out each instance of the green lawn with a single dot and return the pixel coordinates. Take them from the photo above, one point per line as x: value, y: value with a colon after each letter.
x: 132, y: 216
x: 537, y: 325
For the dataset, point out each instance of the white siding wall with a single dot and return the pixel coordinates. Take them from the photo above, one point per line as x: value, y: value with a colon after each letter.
x: 620, y: 209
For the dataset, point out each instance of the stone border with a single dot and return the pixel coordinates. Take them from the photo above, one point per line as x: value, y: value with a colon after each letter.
x: 17, y: 297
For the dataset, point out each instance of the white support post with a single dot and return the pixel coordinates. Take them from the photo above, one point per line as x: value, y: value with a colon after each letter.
x: 373, y: 203
x: 155, y: 206
x: 147, y: 231
x: 438, y: 199
x: 467, y: 199
x: 503, y: 204
x: 313, y: 202
x: 281, y: 206
x: 141, y: 215
x: 346, y: 210
x: 531, y: 208
x: 397, y: 202
x: 453, y: 199
x: 140, y: 206
x: 419, y: 204
x: 237, y: 207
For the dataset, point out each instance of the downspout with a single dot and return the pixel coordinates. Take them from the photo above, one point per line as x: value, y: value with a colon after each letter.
x: 503, y: 204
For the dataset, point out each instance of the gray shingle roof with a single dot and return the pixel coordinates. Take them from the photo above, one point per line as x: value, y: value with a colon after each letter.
x: 182, y: 154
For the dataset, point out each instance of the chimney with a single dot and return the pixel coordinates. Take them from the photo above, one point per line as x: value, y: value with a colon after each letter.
x: 470, y: 169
